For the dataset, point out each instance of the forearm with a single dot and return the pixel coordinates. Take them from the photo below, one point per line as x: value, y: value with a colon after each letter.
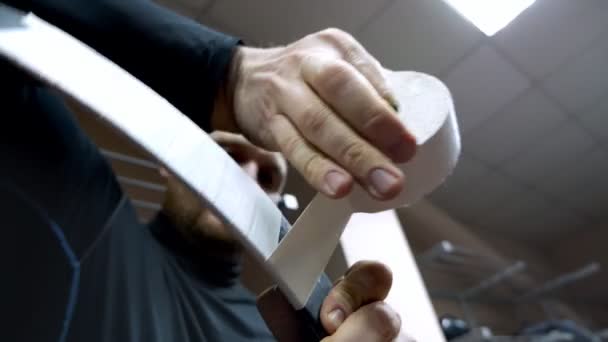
x: 182, y: 60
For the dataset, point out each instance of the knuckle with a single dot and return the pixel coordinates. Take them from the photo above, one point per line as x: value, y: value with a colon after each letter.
x: 370, y: 68
x: 336, y: 69
x: 333, y: 33
x: 296, y: 57
x: 341, y: 40
x: 375, y: 115
x: 313, y: 121
x: 351, y: 53
x: 311, y: 166
x: 357, y: 55
x: 291, y: 146
x: 353, y: 154
x: 335, y: 76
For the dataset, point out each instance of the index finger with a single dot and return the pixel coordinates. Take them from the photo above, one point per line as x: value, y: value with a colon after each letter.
x: 355, y: 54
x: 351, y: 95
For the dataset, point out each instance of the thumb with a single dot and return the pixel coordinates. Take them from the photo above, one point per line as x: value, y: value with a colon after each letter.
x: 375, y: 322
x: 365, y: 282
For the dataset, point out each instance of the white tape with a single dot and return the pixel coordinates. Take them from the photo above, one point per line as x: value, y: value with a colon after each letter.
x: 426, y: 109
x: 150, y: 121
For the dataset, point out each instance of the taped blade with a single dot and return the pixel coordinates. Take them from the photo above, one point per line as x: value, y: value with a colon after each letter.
x: 150, y: 121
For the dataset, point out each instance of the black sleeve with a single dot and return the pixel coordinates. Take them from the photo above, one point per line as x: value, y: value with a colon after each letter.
x: 180, y: 59
x: 45, y: 156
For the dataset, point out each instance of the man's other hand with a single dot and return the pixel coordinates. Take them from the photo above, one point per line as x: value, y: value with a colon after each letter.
x: 324, y: 102
x: 353, y: 310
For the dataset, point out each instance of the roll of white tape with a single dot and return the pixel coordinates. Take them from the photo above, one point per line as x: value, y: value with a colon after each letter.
x: 426, y: 109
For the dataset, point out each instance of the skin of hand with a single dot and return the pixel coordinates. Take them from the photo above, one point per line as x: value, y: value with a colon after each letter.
x: 324, y: 103
x: 354, y: 309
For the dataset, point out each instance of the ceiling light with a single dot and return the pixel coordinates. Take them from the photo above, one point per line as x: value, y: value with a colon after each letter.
x: 490, y: 16
x: 291, y: 202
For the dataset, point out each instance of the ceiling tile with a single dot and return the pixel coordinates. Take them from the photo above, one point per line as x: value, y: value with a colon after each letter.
x: 489, y: 192
x: 596, y: 119
x: 550, y: 153
x: 515, y: 126
x: 473, y: 201
x: 452, y: 202
x: 281, y: 22
x: 524, y: 204
x: 466, y: 172
x: 548, y: 225
x: 482, y: 84
x: 584, y: 169
x: 511, y: 208
x: 424, y: 36
x: 582, y: 185
x: 551, y: 31
x: 517, y: 229
x: 583, y: 80
x: 189, y: 8
x: 593, y: 203
x: 528, y: 215
x: 449, y: 196
x: 590, y: 201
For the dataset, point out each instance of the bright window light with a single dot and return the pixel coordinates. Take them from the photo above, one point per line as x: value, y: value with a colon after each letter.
x: 490, y: 16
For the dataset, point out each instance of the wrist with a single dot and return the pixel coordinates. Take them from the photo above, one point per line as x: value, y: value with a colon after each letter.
x: 244, y: 60
x: 223, y: 117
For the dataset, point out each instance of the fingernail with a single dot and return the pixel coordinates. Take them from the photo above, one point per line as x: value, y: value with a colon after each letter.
x: 335, y: 181
x: 336, y: 317
x: 383, y: 181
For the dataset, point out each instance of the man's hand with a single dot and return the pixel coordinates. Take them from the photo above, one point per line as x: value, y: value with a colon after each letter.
x: 353, y: 310
x: 323, y: 101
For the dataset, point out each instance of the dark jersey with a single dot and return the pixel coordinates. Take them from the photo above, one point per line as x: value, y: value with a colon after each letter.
x: 76, y: 263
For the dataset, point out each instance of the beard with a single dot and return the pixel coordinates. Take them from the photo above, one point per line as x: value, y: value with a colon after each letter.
x: 209, y: 234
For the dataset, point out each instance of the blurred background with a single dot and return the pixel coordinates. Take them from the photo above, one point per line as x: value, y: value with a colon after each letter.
x: 518, y: 235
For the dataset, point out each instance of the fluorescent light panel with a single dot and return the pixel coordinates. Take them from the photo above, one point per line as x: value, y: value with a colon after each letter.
x: 490, y: 16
